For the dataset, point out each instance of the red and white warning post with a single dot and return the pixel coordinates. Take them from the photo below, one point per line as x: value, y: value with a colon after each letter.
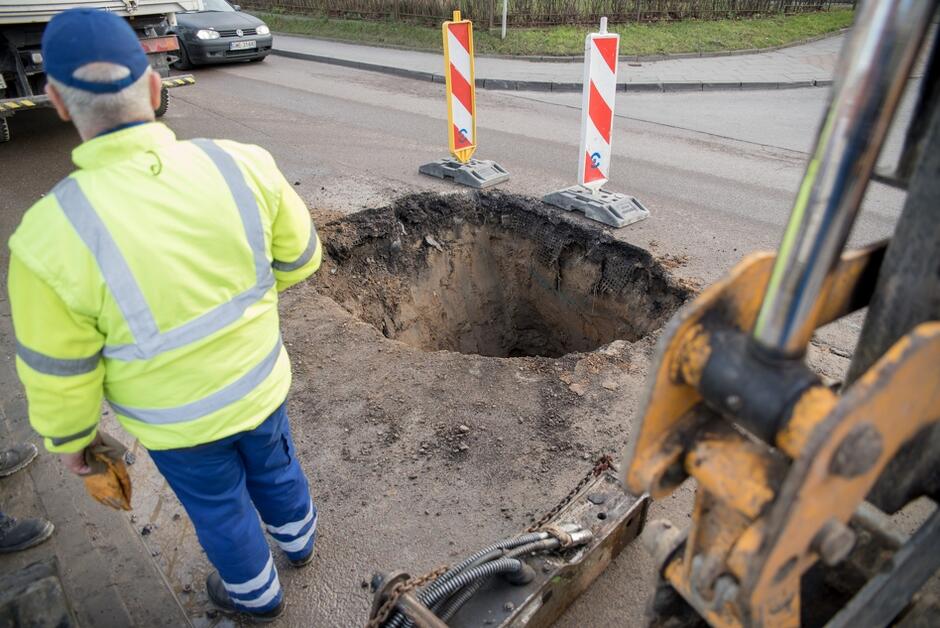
x: 597, y: 116
x: 461, y: 90
x: 597, y: 100
x: 462, y: 113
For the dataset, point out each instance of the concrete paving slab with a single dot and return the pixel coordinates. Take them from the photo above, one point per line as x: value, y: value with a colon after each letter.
x: 108, y: 576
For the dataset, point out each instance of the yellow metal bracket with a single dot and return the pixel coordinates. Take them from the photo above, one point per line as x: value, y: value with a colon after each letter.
x: 765, y: 512
x: 684, y: 348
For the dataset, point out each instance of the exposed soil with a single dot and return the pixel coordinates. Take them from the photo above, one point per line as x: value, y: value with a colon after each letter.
x: 493, y: 274
x: 416, y: 456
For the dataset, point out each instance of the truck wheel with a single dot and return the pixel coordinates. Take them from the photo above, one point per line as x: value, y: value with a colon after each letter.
x: 183, y: 63
x: 4, y: 130
x: 164, y: 102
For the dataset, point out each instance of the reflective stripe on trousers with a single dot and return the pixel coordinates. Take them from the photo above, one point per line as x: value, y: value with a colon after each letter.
x: 258, y: 592
x: 296, y: 535
x: 225, y: 485
x: 149, y: 341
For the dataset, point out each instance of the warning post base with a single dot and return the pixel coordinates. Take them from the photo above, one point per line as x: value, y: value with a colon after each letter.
x: 610, y: 208
x: 476, y: 173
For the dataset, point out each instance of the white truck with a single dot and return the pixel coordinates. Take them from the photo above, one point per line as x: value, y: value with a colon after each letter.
x: 22, y: 76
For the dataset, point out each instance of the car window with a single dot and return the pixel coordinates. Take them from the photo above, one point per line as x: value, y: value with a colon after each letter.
x: 217, y: 5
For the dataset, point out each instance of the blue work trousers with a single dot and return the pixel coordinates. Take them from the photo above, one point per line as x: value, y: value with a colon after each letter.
x: 221, y: 484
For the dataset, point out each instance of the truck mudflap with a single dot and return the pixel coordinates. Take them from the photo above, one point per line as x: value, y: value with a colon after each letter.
x: 10, y: 106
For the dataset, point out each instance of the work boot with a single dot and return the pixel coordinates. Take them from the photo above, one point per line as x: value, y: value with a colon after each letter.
x: 303, y: 561
x: 16, y: 535
x: 15, y: 458
x: 221, y: 600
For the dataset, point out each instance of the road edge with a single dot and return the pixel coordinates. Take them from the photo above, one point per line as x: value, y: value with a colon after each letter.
x: 552, y: 86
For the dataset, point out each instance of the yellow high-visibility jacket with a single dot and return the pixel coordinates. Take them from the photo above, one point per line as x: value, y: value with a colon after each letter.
x: 149, y: 278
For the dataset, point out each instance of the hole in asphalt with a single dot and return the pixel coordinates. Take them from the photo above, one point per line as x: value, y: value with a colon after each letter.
x: 602, y: 515
x: 493, y: 274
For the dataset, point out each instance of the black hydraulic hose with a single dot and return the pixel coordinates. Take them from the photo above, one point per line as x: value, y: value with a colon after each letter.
x: 498, y: 566
x: 473, y: 559
x: 457, y: 602
x: 479, y: 560
x: 494, y: 554
x: 544, y: 544
x: 496, y: 550
x: 462, y: 597
x: 399, y: 620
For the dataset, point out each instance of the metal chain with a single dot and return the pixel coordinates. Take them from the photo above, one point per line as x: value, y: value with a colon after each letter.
x: 603, y: 463
x: 400, y: 589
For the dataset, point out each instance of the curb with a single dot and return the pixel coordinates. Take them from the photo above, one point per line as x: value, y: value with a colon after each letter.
x: 360, y: 65
x: 549, y: 86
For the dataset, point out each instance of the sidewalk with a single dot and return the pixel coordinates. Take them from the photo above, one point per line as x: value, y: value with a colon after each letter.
x: 806, y: 65
x: 108, y: 575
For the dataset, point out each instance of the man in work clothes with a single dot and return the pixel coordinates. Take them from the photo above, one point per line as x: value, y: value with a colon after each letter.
x: 149, y: 277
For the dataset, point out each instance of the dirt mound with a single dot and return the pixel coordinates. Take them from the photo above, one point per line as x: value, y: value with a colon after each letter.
x: 493, y: 274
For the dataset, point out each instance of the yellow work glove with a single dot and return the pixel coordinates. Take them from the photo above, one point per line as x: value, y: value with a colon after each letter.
x: 108, y: 481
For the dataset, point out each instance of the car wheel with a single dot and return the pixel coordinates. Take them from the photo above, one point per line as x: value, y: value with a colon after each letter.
x: 4, y: 130
x: 164, y: 102
x: 184, y: 63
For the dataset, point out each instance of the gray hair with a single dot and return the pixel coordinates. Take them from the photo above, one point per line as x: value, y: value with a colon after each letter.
x: 97, y: 112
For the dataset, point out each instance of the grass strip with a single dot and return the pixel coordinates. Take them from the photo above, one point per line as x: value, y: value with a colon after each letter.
x: 635, y: 39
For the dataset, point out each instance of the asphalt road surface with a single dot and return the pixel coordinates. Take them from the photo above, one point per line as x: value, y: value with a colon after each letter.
x: 718, y: 171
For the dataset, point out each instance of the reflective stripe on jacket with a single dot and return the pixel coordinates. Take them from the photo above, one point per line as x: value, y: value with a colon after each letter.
x: 149, y: 277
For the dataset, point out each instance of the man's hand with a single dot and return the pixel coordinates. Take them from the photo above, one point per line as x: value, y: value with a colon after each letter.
x: 75, y: 462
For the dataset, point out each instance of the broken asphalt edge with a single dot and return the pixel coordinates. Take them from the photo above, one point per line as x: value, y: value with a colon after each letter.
x: 551, y: 86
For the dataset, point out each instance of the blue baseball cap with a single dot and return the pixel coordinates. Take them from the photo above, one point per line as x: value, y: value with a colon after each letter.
x: 77, y: 37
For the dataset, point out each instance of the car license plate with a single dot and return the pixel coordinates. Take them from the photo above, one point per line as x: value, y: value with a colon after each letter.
x: 243, y: 45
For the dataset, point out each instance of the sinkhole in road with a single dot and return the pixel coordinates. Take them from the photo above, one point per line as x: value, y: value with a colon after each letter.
x: 493, y: 274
